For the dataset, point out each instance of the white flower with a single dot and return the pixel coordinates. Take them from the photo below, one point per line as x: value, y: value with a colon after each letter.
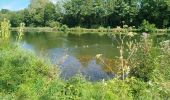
x: 130, y: 34
x: 145, y: 35
x: 118, y: 27
x: 99, y: 56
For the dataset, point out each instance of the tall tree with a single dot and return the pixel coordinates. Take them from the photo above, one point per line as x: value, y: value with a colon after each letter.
x: 155, y: 11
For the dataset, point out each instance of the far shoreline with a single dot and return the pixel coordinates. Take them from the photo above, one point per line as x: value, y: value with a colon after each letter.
x: 79, y: 30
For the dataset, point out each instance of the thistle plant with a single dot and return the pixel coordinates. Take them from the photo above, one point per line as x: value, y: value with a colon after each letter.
x: 20, y: 32
x: 123, y: 61
x: 5, y: 29
x: 123, y: 45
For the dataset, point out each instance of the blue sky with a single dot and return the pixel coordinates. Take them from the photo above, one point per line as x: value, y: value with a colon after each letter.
x: 14, y: 4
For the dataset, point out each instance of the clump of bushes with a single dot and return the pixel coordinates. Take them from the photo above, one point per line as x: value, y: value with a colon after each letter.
x: 147, y: 27
x: 63, y: 28
x: 53, y: 24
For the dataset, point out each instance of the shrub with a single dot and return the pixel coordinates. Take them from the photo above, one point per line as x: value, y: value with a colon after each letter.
x: 63, y: 28
x: 146, y: 62
x: 53, y: 24
x: 147, y: 27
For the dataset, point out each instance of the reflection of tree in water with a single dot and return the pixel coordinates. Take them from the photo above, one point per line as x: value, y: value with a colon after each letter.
x: 111, y: 66
x: 85, y: 59
x: 45, y: 40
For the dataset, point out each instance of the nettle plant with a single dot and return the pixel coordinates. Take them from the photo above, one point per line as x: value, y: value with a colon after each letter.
x: 5, y: 29
x: 20, y: 32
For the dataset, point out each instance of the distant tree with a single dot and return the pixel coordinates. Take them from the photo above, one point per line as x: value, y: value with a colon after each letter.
x: 50, y: 13
x: 155, y: 11
x: 36, y: 10
x: 5, y: 11
x: 16, y: 18
x: 91, y: 13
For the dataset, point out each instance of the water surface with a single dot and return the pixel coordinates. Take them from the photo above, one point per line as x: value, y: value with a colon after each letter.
x: 75, y: 54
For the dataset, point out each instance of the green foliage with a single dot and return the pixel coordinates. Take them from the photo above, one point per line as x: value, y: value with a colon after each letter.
x: 148, y: 62
x: 22, y: 75
x: 90, y: 13
x: 20, y: 31
x: 147, y: 27
x: 16, y: 18
x: 141, y: 90
x: 5, y: 29
x: 63, y: 28
x: 53, y: 24
x: 165, y: 54
x: 155, y: 11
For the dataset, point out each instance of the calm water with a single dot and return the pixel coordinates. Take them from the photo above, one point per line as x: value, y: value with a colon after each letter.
x: 74, y: 54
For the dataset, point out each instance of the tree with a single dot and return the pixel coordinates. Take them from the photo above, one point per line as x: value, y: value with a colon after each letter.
x: 155, y: 11
x: 36, y: 10
x: 16, y: 18
x: 49, y: 13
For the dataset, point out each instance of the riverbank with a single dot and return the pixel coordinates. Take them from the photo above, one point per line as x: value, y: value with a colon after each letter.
x: 79, y: 30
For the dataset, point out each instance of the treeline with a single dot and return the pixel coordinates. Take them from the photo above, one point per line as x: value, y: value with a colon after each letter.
x: 91, y: 13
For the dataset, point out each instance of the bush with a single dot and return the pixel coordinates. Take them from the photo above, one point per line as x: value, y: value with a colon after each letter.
x: 63, y: 28
x: 146, y: 62
x: 147, y: 27
x: 53, y: 24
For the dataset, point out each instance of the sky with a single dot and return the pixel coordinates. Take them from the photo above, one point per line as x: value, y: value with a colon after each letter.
x: 14, y: 4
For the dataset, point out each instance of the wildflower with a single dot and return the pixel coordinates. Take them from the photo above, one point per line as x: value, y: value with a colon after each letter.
x: 104, y: 83
x: 145, y: 35
x: 98, y: 56
x: 150, y: 83
x: 118, y: 27
x: 125, y: 26
x: 130, y: 34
